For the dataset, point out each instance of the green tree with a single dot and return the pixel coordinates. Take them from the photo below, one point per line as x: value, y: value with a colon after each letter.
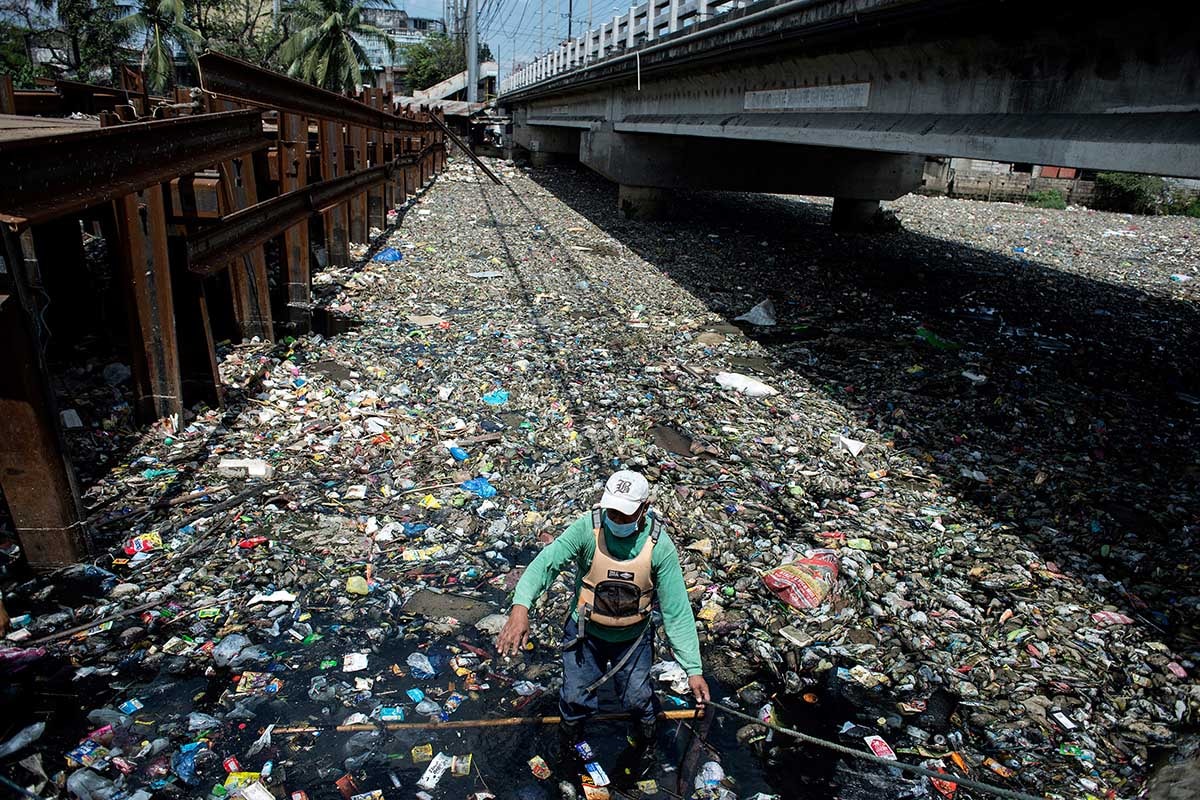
x: 1128, y: 192
x: 245, y: 29
x: 322, y: 49
x: 83, y: 37
x: 93, y: 37
x: 436, y: 58
x: 163, y: 26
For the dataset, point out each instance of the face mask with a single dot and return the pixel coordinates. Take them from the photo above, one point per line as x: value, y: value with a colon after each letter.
x: 620, y: 529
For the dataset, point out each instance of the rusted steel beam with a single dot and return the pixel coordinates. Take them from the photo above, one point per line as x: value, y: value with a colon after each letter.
x: 49, y: 176
x: 377, y: 196
x: 35, y: 474
x: 356, y: 161
x: 195, y: 197
x: 146, y: 273
x: 459, y: 144
x: 241, y: 81
x: 292, y: 161
x: 337, y: 218
x: 248, y: 274
x: 209, y: 250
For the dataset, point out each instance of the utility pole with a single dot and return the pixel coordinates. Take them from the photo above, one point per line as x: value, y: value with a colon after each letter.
x: 571, y: 17
x: 472, y: 51
x: 541, y: 26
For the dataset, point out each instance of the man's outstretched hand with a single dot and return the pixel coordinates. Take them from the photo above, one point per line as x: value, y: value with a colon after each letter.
x: 515, y: 634
x: 699, y: 688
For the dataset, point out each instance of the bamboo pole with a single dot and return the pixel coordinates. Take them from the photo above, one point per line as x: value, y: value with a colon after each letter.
x: 689, y: 713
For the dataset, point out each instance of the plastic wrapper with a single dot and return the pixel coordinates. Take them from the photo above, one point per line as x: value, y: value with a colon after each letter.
x: 806, y: 582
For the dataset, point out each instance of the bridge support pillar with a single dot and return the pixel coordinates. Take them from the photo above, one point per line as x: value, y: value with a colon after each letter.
x: 850, y: 214
x: 642, y: 202
x: 541, y: 158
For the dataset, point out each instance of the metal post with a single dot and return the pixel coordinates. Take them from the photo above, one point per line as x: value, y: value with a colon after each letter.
x: 248, y: 272
x: 293, y: 175
x: 337, y: 222
x: 146, y: 273
x: 38, y: 481
x: 570, y: 16
x: 356, y: 159
x: 472, y: 51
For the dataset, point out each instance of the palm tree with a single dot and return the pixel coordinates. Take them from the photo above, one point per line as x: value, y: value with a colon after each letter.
x: 161, y: 23
x: 323, y: 48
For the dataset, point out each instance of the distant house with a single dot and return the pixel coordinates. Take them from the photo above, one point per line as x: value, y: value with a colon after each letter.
x: 401, y: 29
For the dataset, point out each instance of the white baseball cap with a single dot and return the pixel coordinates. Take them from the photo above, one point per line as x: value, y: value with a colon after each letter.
x: 625, y: 491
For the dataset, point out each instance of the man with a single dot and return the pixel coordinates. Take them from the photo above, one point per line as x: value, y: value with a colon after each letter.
x: 623, y: 559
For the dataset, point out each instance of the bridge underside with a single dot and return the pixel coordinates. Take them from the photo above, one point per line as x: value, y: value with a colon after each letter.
x: 847, y: 98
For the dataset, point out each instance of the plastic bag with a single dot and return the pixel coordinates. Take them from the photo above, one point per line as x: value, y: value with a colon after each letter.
x: 751, y: 387
x: 496, y: 398
x: 420, y: 665
x: 710, y: 774
x: 762, y: 314
x: 479, y: 486
x: 30, y: 734
x: 229, y: 648
x: 388, y: 255
x: 87, y: 785
x: 806, y: 582
x: 428, y: 707
x: 183, y: 764
x: 198, y: 721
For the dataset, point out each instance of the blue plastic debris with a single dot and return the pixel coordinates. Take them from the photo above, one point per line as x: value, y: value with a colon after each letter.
x: 497, y: 398
x: 388, y: 255
x: 479, y: 486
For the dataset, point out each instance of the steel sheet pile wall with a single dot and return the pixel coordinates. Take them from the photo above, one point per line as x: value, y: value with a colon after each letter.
x: 186, y: 201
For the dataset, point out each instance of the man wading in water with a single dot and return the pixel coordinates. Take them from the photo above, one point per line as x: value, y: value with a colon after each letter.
x: 624, y: 560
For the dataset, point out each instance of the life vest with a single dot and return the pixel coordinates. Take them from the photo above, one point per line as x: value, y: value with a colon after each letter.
x: 618, y: 593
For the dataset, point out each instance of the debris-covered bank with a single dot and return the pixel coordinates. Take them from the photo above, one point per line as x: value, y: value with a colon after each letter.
x: 963, y: 453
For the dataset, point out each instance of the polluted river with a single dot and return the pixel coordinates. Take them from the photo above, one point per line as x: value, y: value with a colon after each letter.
x: 933, y: 492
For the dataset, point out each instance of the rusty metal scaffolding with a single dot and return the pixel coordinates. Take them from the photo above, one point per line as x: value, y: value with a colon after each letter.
x: 187, y: 192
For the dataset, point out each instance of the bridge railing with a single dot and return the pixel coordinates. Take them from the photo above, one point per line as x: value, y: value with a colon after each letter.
x: 643, y: 23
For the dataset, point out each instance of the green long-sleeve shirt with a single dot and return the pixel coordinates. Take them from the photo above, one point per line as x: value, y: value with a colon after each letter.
x: 578, y: 544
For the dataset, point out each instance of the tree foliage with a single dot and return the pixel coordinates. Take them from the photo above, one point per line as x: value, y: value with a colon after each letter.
x: 82, y: 37
x: 245, y: 29
x: 321, y: 47
x: 1128, y: 192
x: 92, y: 35
x: 88, y: 38
x: 162, y: 26
x: 437, y: 58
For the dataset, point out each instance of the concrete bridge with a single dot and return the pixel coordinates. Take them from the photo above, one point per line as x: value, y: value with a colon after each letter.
x: 846, y: 98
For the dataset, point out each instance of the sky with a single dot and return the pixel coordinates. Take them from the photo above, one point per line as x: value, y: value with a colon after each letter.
x: 513, y: 27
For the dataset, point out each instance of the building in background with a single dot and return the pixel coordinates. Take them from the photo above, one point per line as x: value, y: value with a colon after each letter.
x: 402, y: 30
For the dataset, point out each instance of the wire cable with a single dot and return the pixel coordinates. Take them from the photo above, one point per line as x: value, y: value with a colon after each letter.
x: 883, y: 762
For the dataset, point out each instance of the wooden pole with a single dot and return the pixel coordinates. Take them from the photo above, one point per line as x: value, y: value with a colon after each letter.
x: 458, y: 724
